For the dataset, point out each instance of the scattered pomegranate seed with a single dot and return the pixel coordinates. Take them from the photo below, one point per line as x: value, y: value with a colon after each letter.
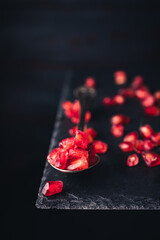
x: 90, y: 82
x: 87, y: 116
x: 127, y: 92
x: 58, y: 157
x: 107, y: 101
x: 156, y: 138
x: 137, y: 82
x: 152, y: 111
x: 52, y: 187
x: 146, y: 131
x: 151, y: 159
x: 139, y: 146
x: 148, y: 101
x: 77, y: 164
x: 117, y: 130
x: 81, y: 139
x: 126, y: 146
x: 120, y: 77
x: 131, y: 137
x: 67, y: 143
x: 119, y: 99
x: 142, y: 92
x: 119, y: 119
x: 148, y: 145
x: 99, y: 146
x: 132, y: 160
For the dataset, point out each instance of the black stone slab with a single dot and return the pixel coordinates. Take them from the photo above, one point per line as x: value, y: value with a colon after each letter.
x: 111, y: 184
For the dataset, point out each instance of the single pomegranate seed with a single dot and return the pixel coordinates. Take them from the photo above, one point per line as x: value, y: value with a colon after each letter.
x: 152, y: 111
x: 90, y: 82
x: 137, y: 82
x: 87, y: 116
x: 119, y: 119
x: 77, y: 164
x: 151, y: 159
x: 72, y: 131
x: 77, y: 153
x: 120, y: 77
x: 127, y: 92
x: 119, y: 99
x: 142, y: 92
x: 81, y: 139
x: 91, y: 132
x: 132, y: 160
x: 157, y: 96
x: 148, y: 145
x: 76, y: 106
x: 126, y: 146
x: 67, y: 143
x: 156, y: 138
x: 148, y: 101
x: 92, y: 155
x: 99, y: 146
x: 107, y: 101
x: 67, y: 105
x: 52, y: 187
x: 117, y: 130
x: 146, y: 131
x: 131, y: 137
x: 139, y: 146
x: 58, y: 157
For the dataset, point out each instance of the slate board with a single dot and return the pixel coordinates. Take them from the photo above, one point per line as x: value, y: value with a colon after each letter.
x: 111, y: 184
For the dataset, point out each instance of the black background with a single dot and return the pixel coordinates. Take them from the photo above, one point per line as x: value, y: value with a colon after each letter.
x: 40, y: 41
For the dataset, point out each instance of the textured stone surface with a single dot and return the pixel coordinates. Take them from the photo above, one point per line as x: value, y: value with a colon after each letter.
x: 111, y: 184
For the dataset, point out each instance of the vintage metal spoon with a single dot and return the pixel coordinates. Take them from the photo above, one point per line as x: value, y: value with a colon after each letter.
x: 85, y: 96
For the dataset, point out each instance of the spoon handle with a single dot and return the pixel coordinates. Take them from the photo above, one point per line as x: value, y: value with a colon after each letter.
x: 85, y: 96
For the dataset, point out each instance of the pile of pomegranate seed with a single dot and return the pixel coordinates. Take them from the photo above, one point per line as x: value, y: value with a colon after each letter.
x: 75, y: 153
x: 72, y: 111
x: 118, y: 121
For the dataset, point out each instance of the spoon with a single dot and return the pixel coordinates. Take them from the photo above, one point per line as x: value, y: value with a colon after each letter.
x: 85, y: 96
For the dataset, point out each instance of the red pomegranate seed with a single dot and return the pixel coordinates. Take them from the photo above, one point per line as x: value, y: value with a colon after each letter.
x: 151, y: 159
x: 117, y: 130
x: 156, y: 138
x: 127, y: 92
x: 87, y: 116
x: 139, y: 146
x: 152, y: 111
x: 157, y: 96
x: 132, y: 160
x: 119, y: 99
x: 119, y: 119
x: 148, y: 101
x: 131, y: 137
x: 120, y: 77
x: 91, y: 132
x: 81, y: 139
x: 99, y: 146
x: 72, y: 131
x: 142, y: 92
x: 148, y: 145
x: 146, y: 131
x: 90, y: 82
x: 137, y: 82
x: 52, y: 187
x: 77, y: 164
x: 67, y: 105
x: 58, y: 157
x: 126, y: 146
x: 107, y: 101
x: 67, y: 143
x: 77, y: 153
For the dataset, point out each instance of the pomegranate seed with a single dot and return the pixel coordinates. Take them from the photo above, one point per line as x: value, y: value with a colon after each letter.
x: 77, y: 153
x: 87, y: 116
x: 156, y: 138
x: 127, y: 92
x: 142, y: 92
x: 126, y: 146
x: 52, y: 187
x: 58, y: 157
x: 148, y: 101
x: 137, y: 82
x: 120, y: 77
x: 119, y: 119
x: 77, y: 164
x: 90, y: 82
x: 107, y: 101
x: 99, y: 146
x: 117, y: 130
x: 91, y: 132
x: 67, y: 143
x: 152, y: 111
x: 72, y: 131
x: 131, y: 137
x: 119, y: 99
x: 157, y: 96
x: 146, y: 131
x: 139, y: 146
x: 151, y: 159
x: 81, y: 139
x: 132, y: 160
x: 148, y: 145
x: 67, y: 105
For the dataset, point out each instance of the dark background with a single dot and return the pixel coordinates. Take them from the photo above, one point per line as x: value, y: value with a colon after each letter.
x: 40, y: 41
